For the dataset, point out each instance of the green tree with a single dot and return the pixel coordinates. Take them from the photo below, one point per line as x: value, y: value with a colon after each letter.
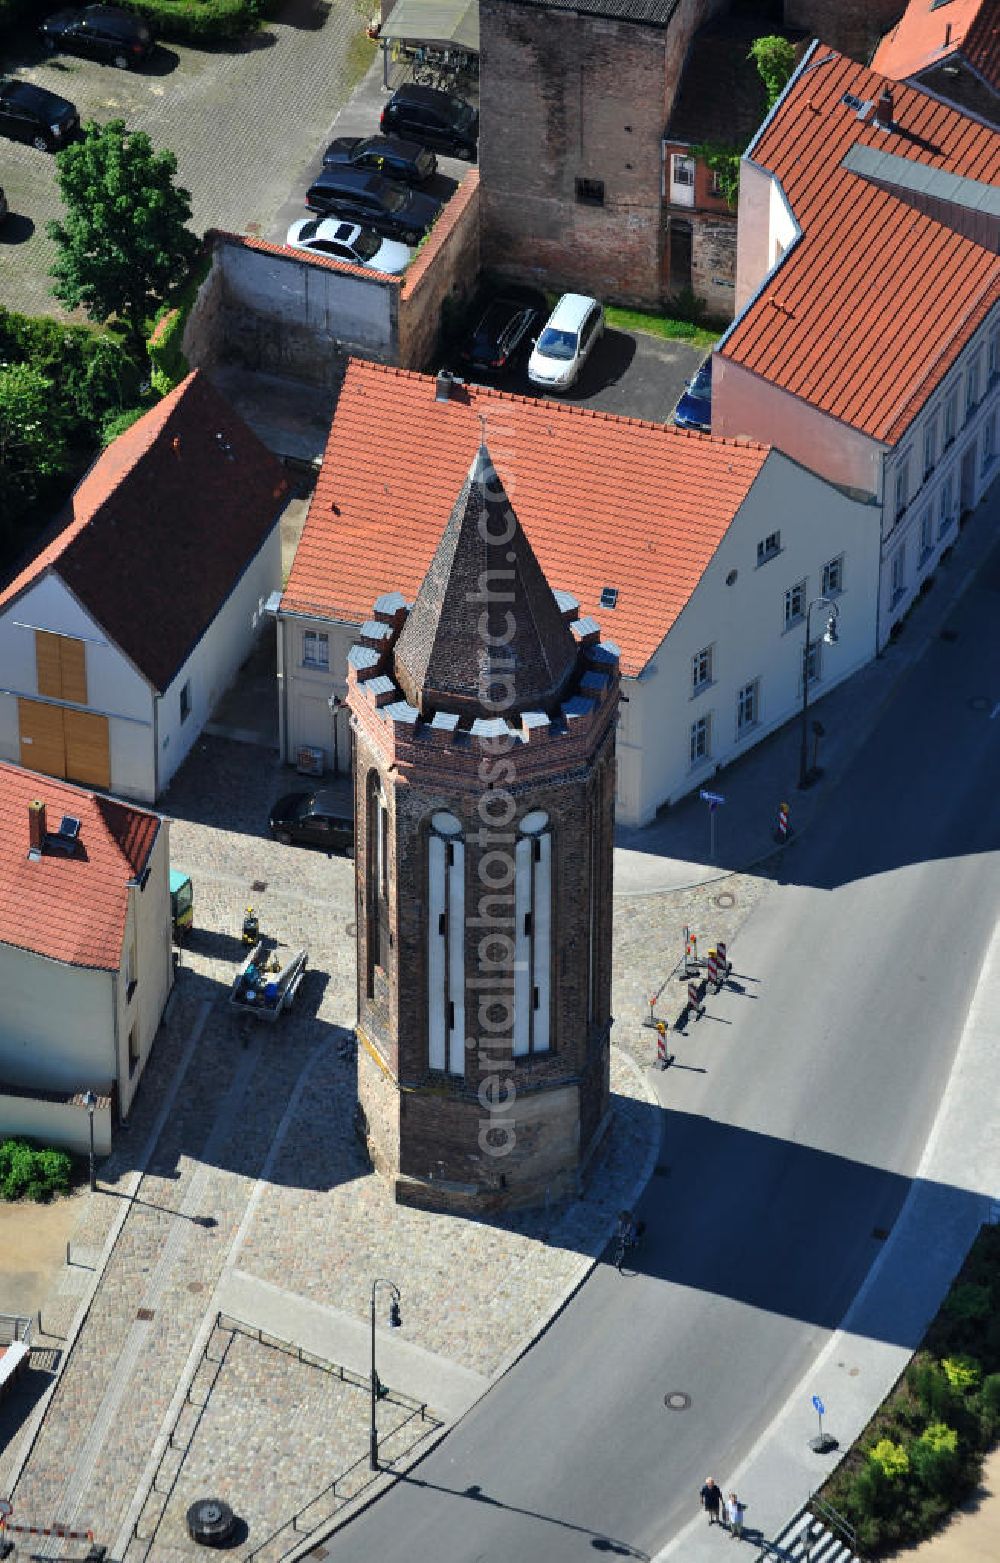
x: 124, y: 243
x: 774, y: 58
x: 725, y: 164
x: 32, y: 447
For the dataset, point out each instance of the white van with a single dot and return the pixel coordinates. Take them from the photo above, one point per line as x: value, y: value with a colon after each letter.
x: 565, y: 344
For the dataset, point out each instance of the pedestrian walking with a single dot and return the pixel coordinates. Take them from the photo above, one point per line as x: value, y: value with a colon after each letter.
x: 735, y: 1513
x: 711, y: 1500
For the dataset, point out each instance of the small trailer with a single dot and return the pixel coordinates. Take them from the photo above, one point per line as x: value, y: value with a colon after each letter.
x: 264, y: 986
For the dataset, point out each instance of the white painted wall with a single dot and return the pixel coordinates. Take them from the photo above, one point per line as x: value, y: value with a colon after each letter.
x: 743, y: 623
x: 766, y: 229
x: 59, y: 1124
x: 147, y: 924
x: 57, y: 1024
x: 216, y: 659
x: 114, y: 688
x: 304, y: 690
x: 359, y: 311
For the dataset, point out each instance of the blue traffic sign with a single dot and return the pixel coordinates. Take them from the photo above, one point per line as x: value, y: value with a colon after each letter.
x: 818, y: 1405
x: 711, y: 797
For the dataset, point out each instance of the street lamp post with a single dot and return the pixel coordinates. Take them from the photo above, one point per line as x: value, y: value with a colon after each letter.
x: 335, y: 703
x: 90, y: 1103
x: 395, y: 1321
x: 830, y: 636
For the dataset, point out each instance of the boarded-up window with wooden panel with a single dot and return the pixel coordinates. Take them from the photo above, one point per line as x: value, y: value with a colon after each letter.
x: 61, y: 667
x: 48, y: 664
x: 42, y: 743
x: 88, y: 755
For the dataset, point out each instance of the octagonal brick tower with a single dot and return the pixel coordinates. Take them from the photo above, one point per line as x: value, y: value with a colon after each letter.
x: 484, y: 721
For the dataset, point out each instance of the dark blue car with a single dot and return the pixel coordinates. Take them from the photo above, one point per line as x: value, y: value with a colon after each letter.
x: 694, y: 410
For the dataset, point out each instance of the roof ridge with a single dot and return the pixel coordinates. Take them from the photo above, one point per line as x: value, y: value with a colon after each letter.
x: 561, y: 409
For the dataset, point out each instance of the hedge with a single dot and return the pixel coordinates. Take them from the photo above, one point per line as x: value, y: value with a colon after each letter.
x: 32, y: 1172
x: 164, y: 344
x: 91, y: 370
x: 921, y: 1455
x: 201, y: 21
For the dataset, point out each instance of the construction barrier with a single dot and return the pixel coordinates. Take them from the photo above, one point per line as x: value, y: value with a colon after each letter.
x: 689, y: 961
x: 48, y: 1530
x: 694, y: 1001
x: 713, y: 968
x: 725, y: 966
x: 662, y: 1053
x: 781, y: 834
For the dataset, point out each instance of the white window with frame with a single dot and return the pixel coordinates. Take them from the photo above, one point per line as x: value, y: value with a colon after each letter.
x: 971, y: 388
x: 902, y: 488
x: 833, y: 577
x: 533, y: 941
x: 950, y: 420
x: 988, y: 450
x: 701, y: 740
x: 748, y: 707
x: 446, y: 944
x: 946, y: 506
x: 812, y: 662
x: 897, y: 576
x: 795, y: 604
x: 930, y: 447
x: 768, y: 547
x: 716, y: 185
x: 926, y: 536
x: 681, y: 180
x: 315, y: 650
x: 701, y: 670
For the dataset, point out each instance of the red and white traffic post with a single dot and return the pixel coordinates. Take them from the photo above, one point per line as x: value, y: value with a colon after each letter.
x: 694, y: 1003
x: 783, y: 828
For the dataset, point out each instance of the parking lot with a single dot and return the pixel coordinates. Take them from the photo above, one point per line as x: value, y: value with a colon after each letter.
x: 246, y: 122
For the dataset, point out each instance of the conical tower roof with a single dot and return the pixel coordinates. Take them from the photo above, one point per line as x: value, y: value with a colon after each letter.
x: 484, y: 581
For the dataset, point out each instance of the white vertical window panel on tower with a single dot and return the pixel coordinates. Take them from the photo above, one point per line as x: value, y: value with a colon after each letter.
x: 436, y: 950
x: 542, y: 931
x: 456, y: 957
x: 522, y: 947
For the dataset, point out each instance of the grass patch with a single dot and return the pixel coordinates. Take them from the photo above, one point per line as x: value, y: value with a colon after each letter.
x: 661, y: 325
x: 921, y: 1454
x: 360, y: 53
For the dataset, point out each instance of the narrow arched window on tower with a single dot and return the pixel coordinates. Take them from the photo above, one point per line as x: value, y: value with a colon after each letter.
x: 446, y: 944
x: 533, y: 942
x: 377, y: 878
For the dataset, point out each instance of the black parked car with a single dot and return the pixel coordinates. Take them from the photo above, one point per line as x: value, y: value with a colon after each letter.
x: 100, y: 32
x: 435, y: 119
x: 313, y: 819
x: 503, y: 335
x: 379, y: 203
x: 403, y: 160
x: 30, y: 113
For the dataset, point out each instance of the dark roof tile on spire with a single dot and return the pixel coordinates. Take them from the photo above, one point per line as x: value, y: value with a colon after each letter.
x: 484, y: 565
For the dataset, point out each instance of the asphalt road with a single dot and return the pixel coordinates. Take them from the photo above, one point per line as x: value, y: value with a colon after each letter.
x: 792, y: 1125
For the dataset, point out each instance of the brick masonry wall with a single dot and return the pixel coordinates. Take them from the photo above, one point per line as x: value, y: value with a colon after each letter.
x: 445, y: 268
x: 563, y: 74
x: 852, y: 26
x: 561, y: 1095
x: 713, y: 261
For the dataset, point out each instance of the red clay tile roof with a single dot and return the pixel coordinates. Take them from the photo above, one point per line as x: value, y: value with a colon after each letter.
x: 69, y: 908
x: 163, y: 525
x: 869, y: 309
x: 604, y: 501
x: 927, y: 33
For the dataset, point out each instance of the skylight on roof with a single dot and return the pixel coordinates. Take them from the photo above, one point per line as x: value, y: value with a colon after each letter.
x: 609, y: 597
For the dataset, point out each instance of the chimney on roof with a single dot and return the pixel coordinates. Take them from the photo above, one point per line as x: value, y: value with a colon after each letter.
x: 947, y: 35
x: 442, y: 386
x: 36, y: 825
x: 883, y: 110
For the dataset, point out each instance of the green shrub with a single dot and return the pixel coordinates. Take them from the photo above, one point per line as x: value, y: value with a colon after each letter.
x: 92, y: 372
x: 201, y: 21
x: 32, y: 1172
x: 962, y: 1372
x: 969, y: 1303
x: 116, y: 423
x: 891, y: 1459
x: 934, y: 1458
x: 169, y: 366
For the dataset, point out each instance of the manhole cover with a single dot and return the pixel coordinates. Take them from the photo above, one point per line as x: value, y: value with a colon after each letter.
x: 979, y: 703
x: 676, y: 1400
x: 351, y: 930
x: 210, y: 1521
x: 196, y: 1286
x: 145, y: 1314
x: 259, y: 886
x: 725, y: 899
